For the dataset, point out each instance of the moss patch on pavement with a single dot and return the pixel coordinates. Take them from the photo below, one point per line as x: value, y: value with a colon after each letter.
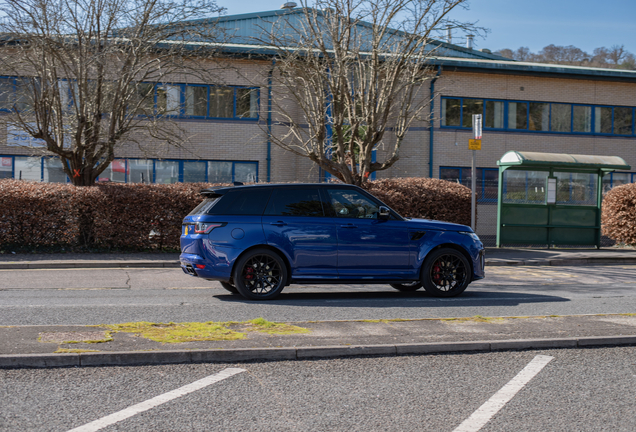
x: 206, y: 331
x: 75, y: 351
x: 476, y: 318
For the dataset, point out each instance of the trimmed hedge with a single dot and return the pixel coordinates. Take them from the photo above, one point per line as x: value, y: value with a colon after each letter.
x: 148, y: 216
x: 104, y: 216
x: 425, y: 198
x: 618, y: 215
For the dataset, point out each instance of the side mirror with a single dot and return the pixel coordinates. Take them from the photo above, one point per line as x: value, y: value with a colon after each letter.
x: 384, y: 212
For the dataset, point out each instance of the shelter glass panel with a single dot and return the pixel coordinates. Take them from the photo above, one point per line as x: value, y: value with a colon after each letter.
x: 524, y: 187
x: 576, y: 188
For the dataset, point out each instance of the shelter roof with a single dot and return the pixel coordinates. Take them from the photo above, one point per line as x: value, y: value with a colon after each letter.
x: 573, y: 161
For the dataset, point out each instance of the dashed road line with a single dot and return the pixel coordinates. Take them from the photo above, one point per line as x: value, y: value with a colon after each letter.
x: 485, y: 412
x: 156, y: 401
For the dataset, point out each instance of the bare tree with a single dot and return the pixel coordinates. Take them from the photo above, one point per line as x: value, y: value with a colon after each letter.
x: 86, y: 73
x: 616, y: 54
x: 350, y: 76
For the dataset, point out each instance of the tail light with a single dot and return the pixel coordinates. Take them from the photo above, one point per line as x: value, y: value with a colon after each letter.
x: 207, y: 227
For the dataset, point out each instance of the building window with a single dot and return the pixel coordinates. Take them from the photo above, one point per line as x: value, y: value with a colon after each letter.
x: 544, y: 117
x: 196, y: 100
x: 487, y: 180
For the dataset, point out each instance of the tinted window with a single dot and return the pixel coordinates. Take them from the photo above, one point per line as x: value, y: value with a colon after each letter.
x: 352, y: 204
x: 247, y: 202
x: 295, y: 202
x: 204, y: 207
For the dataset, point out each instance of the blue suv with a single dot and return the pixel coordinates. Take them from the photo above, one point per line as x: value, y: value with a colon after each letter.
x: 258, y: 239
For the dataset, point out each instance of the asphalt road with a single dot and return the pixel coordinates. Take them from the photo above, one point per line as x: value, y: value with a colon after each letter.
x: 97, y: 296
x: 578, y: 390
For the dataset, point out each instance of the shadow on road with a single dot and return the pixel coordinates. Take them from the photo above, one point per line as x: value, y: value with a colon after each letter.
x: 396, y: 299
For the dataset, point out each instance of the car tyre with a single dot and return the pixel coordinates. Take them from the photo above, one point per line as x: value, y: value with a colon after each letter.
x: 408, y: 286
x: 445, y: 273
x: 228, y: 286
x: 260, y: 274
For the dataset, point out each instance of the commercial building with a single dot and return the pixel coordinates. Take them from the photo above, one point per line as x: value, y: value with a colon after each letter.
x: 525, y: 106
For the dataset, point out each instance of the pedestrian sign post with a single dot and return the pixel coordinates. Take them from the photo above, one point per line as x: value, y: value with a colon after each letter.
x: 474, y: 144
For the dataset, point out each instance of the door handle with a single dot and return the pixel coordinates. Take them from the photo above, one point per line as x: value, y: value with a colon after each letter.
x: 349, y: 226
x: 279, y: 223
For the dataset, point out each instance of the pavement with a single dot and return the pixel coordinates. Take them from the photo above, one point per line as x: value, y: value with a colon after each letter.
x: 66, y: 346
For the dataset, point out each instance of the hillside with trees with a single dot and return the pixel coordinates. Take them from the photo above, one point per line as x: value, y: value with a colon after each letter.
x: 615, y: 57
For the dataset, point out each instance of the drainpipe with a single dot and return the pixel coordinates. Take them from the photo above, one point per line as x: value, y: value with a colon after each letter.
x: 432, y: 124
x: 269, y: 121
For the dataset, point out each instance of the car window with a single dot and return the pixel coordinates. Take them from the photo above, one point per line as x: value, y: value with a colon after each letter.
x: 352, y: 204
x: 246, y: 202
x: 205, y: 207
x: 295, y: 202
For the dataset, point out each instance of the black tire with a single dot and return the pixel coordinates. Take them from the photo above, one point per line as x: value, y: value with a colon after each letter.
x: 445, y: 273
x: 408, y: 286
x: 260, y: 275
x: 228, y: 286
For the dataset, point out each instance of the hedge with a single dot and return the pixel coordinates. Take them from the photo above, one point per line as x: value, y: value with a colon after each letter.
x: 618, y: 214
x: 148, y: 216
x: 425, y: 198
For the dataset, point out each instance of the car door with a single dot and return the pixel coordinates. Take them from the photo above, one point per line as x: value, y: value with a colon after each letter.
x: 295, y: 223
x: 368, y: 247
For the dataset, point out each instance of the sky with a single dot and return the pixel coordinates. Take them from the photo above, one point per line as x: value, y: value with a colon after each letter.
x: 534, y: 24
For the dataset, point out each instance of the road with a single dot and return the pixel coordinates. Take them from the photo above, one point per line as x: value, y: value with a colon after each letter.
x: 97, y: 296
x: 577, y: 390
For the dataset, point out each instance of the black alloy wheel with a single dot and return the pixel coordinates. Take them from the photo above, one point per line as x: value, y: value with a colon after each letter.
x: 228, y: 286
x: 445, y: 273
x: 408, y: 286
x: 260, y: 275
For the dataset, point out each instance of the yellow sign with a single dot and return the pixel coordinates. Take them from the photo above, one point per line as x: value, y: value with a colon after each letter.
x: 474, y: 144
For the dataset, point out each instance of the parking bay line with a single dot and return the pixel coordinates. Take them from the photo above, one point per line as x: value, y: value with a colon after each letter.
x: 485, y: 412
x: 156, y: 401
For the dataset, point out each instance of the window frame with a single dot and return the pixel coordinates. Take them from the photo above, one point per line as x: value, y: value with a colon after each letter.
x: 506, y: 111
x: 481, y: 193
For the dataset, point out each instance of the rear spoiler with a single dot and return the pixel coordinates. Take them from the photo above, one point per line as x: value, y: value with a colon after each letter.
x: 216, y: 193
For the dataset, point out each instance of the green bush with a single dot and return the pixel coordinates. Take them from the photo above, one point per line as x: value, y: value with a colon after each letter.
x: 618, y: 216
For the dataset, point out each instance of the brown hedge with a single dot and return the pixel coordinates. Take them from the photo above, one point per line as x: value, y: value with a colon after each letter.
x: 136, y: 216
x: 618, y: 215
x: 425, y: 198
x: 143, y: 216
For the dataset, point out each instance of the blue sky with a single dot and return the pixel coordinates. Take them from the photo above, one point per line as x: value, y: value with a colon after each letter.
x: 585, y: 24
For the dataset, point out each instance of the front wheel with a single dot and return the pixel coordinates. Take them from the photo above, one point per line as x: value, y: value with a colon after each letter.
x: 445, y: 273
x: 260, y: 275
x: 408, y: 286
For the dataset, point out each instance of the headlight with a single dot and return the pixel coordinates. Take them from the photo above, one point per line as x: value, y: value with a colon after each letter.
x: 471, y: 234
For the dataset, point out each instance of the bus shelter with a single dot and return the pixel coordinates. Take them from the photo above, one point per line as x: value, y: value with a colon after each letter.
x: 551, y: 198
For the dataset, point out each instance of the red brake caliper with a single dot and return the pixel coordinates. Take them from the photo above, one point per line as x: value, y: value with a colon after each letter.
x: 249, y: 273
x: 437, y: 277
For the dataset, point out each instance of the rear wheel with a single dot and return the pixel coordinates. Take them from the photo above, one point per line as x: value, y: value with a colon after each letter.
x: 260, y: 275
x: 408, y: 286
x: 446, y: 273
x: 228, y: 286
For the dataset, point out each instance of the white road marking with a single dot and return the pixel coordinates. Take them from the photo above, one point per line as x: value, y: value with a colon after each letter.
x: 485, y: 412
x: 156, y: 401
